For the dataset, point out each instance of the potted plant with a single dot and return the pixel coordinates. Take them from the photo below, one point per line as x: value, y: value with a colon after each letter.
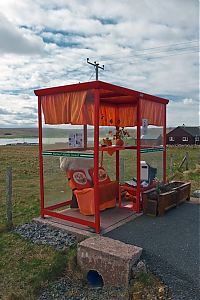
x: 165, y: 196
x: 183, y: 190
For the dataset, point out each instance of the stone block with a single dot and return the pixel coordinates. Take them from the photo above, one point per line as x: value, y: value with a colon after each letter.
x: 112, y: 259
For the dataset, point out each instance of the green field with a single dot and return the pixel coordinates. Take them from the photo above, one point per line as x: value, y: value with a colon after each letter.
x: 25, y: 267
x: 24, y: 162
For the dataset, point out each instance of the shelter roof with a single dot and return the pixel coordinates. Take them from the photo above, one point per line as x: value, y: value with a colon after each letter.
x: 109, y: 93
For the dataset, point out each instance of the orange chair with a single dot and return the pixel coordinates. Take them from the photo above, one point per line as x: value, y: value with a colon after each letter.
x: 84, y: 190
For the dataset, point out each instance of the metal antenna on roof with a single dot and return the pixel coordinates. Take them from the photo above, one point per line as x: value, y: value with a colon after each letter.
x: 96, y: 66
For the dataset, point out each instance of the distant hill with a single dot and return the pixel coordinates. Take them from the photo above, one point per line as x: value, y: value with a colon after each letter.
x: 18, y: 132
x: 48, y: 132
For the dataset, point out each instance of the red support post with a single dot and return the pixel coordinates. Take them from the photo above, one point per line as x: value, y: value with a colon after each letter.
x: 40, y: 157
x: 117, y: 172
x: 138, y: 191
x: 85, y: 137
x: 117, y: 176
x: 164, y: 146
x: 96, y: 160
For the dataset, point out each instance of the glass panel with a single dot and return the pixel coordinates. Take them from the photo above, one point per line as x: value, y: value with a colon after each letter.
x: 58, y: 136
x: 56, y: 188
x: 153, y: 136
x: 108, y: 162
x: 128, y: 165
x: 154, y: 163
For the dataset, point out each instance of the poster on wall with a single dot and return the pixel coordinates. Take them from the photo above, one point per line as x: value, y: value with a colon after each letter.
x: 144, y: 126
x: 76, y: 140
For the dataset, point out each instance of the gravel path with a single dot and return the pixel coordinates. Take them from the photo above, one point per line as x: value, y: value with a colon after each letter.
x: 65, y: 289
x: 44, y: 234
x: 171, y: 247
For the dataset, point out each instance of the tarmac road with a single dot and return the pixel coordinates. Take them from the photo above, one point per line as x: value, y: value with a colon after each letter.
x: 170, y: 247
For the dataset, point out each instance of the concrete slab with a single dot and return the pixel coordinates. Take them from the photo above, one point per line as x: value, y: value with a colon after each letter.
x: 81, y: 234
x: 110, y: 219
x: 111, y: 259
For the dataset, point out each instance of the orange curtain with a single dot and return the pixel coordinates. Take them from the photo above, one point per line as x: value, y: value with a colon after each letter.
x: 127, y: 115
x: 78, y: 108
x: 153, y: 111
x: 107, y: 114
x: 111, y: 114
x: 64, y: 108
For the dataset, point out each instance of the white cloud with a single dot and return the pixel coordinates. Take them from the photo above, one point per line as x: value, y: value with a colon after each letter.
x: 66, y: 32
x: 183, y: 112
x: 18, y: 110
x: 187, y: 101
x: 14, y: 40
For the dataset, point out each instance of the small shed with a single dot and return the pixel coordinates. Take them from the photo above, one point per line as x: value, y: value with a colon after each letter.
x: 151, y: 139
x: 97, y: 104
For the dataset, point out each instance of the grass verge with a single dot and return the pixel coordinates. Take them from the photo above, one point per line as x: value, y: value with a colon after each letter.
x: 26, y: 267
x: 147, y: 286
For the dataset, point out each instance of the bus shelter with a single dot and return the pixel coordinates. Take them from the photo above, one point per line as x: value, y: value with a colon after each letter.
x: 93, y: 108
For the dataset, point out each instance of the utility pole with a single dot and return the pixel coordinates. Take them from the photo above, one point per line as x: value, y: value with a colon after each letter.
x: 96, y: 66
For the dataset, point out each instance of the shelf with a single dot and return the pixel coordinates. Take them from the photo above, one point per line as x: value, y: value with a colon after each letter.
x: 89, y: 153
x: 76, y: 154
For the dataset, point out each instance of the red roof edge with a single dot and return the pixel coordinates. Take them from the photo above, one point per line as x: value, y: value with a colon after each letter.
x: 98, y: 85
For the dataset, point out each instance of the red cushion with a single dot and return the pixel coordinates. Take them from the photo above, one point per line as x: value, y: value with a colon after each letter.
x: 103, y: 176
x: 78, y: 180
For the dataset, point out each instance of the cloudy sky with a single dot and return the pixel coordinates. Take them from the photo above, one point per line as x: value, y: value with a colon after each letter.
x: 146, y: 45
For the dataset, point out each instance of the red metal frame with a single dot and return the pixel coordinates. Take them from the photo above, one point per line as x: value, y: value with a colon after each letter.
x: 138, y: 191
x: 68, y: 218
x: 103, y: 92
x: 40, y: 158
x: 96, y: 160
x: 117, y: 172
x: 59, y: 205
x: 164, y: 145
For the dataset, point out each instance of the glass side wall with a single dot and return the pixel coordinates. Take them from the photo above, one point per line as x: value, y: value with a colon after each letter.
x: 56, y: 188
x: 61, y: 138
x: 90, y: 136
x: 58, y: 136
x: 152, y: 152
x: 128, y: 165
x: 152, y: 136
x: 152, y: 163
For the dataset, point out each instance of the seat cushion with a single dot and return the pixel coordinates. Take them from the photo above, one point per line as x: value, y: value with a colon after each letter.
x: 103, y: 176
x: 78, y: 180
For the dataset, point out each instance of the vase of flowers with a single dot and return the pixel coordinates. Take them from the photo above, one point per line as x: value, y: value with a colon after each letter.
x: 107, y: 142
x: 119, y: 135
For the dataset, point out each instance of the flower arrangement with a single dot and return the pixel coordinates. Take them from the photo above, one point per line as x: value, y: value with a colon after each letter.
x: 119, y: 135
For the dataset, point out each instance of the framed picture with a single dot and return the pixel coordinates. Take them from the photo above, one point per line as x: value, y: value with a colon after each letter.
x: 76, y: 140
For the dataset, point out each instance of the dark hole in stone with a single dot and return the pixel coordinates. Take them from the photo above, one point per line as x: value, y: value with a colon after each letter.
x: 94, y: 279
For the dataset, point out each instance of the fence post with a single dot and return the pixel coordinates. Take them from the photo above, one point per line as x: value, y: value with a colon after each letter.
x: 171, y: 164
x: 9, y: 221
x: 187, y: 161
